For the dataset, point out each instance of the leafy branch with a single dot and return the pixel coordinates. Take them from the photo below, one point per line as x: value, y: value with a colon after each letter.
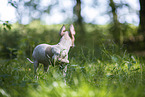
x: 5, y: 25
x: 13, y: 3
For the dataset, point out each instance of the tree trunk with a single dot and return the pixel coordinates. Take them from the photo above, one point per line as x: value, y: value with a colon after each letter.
x: 79, y: 21
x: 78, y: 11
x: 115, y: 27
x: 142, y: 17
x: 114, y: 12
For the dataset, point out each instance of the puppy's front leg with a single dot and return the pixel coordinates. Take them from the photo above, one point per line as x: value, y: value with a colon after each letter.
x: 54, y: 58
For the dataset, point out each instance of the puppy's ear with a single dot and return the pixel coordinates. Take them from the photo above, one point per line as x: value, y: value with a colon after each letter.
x: 62, y: 31
x: 72, y: 30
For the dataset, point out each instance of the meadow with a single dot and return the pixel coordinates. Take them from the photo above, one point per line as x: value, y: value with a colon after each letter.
x: 98, y: 67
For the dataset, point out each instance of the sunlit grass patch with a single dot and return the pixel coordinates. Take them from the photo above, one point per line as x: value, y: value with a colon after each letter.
x: 111, y: 75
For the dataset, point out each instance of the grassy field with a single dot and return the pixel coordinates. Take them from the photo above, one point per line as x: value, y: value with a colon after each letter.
x: 117, y: 77
x: 103, y: 70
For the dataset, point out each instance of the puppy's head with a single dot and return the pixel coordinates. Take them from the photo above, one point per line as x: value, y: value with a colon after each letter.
x: 68, y: 35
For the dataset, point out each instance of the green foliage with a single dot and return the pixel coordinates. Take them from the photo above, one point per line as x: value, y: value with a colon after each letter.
x: 22, y: 39
x: 97, y: 67
x: 122, y: 32
x: 119, y: 76
x: 5, y: 25
x: 13, y: 3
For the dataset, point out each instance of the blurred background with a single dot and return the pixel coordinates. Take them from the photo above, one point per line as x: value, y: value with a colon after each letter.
x: 115, y: 25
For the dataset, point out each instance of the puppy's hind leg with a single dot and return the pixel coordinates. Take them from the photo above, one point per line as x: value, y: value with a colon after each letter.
x: 46, y: 67
x: 36, y: 64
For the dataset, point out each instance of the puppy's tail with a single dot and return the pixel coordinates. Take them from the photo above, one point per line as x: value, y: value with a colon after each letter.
x: 30, y: 60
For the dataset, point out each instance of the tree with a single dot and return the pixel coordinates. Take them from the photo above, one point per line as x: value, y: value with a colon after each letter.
x: 117, y: 29
x: 79, y: 20
x: 142, y: 17
x: 115, y: 26
x: 77, y: 12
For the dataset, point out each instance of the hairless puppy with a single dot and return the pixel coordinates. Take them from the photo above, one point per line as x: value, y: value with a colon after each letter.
x: 45, y: 53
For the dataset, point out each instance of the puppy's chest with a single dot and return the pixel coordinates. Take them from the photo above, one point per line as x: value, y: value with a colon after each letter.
x: 63, y: 53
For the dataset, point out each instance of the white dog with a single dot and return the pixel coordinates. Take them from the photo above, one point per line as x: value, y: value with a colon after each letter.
x: 45, y: 53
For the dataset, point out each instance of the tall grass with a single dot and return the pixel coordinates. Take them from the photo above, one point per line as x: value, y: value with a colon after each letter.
x: 117, y: 76
x: 97, y: 69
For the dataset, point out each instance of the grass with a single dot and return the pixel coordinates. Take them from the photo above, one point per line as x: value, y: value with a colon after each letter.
x: 98, y: 68
x: 113, y: 76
